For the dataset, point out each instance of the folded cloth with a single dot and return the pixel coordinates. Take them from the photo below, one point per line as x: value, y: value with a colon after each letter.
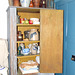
x: 31, y: 69
x: 3, y: 53
x: 29, y: 63
x: 28, y: 71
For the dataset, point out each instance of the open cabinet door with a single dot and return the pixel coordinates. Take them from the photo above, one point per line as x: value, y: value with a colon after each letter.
x: 51, y: 41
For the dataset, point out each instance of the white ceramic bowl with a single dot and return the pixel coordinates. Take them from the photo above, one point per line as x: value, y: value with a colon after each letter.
x: 35, y: 20
x: 38, y: 59
x: 26, y: 51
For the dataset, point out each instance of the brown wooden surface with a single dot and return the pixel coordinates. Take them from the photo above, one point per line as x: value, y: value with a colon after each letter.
x: 51, y: 56
x: 28, y: 15
x: 28, y: 9
x: 20, y: 60
x: 28, y: 25
x: 27, y: 56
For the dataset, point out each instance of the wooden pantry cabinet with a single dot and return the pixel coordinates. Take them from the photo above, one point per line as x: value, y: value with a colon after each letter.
x: 51, y: 38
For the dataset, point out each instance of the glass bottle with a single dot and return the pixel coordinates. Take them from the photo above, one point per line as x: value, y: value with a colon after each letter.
x: 43, y: 3
x: 16, y: 3
x: 19, y: 36
x: 31, y: 4
x: 50, y: 3
x: 40, y: 3
x: 19, y: 50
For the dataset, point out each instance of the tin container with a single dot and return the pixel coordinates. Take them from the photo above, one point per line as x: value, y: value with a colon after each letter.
x: 22, y: 20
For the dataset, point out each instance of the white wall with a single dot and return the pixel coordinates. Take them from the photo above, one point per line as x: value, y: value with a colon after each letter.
x: 3, y: 18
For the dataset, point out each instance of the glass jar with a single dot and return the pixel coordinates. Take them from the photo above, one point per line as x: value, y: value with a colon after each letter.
x: 50, y: 3
x: 26, y: 34
x: 33, y: 35
x: 19, y: 36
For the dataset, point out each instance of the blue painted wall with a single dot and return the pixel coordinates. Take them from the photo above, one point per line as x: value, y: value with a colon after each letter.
x: 69, y: 35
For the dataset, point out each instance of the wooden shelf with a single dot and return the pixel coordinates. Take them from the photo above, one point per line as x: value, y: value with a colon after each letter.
x: 28, y: 56
x: 29, y: 25
x: 28, y: 41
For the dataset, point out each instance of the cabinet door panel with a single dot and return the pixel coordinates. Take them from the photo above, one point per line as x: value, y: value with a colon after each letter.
x: 51, y: 41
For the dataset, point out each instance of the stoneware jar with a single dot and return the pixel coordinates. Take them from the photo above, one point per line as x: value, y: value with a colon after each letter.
x: 33, y: 35
x: 34, y: 48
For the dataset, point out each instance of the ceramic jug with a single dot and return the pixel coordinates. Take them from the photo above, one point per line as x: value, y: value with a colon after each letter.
x: 33, y: 35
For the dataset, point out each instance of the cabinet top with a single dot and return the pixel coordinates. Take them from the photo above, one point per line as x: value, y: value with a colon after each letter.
x: 27, y: 8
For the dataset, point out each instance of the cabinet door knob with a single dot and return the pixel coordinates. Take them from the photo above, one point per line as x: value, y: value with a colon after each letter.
x: 73, y: 58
